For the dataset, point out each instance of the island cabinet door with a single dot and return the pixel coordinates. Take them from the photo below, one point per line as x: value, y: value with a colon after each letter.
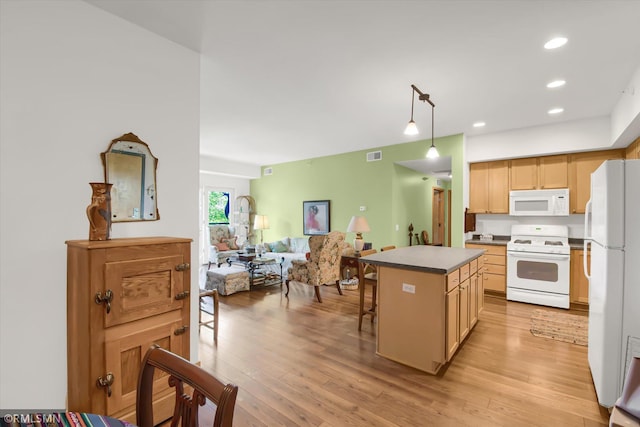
x: 412, y: 318
x: 453, y: 322
x: 465, y: 300
x: 473, y: 301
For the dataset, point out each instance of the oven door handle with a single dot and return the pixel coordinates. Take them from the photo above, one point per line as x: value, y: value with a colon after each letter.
x: 549, y: 257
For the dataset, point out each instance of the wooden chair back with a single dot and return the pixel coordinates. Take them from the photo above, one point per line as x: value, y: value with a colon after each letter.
x: 182, y: 372
x: 368, y: 252
x: 368, y: 268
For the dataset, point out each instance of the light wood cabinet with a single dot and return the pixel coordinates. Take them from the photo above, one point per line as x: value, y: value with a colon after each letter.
x: 473, y: 300
x: 579, y: 292
x: 553, y: 172
x: 462, y: 303
x: 452, y: 333
x: 489, y: 187
x: 539, y: 173
x: 480, y: 274
x: 494, y: 267
x: 465, y: 301
x: 633, y: 150
x: 581, y: 166
x: 524, y: 174
x: 123, y: 295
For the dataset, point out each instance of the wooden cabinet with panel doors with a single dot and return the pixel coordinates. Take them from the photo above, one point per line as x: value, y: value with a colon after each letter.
x: 494, y: 267
x: 581, y: 166
x: 579, y: 290
x: 463, y: 303
x: 489, y: 187
x: 124, y: 295
x: 539, y: 173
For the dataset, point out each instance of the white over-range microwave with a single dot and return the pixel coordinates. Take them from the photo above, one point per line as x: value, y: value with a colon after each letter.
x: 539, y: 202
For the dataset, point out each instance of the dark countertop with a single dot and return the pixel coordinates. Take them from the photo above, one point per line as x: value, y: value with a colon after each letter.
x: 574, y: 243
x: 431, y: 259
x: 495, y: 242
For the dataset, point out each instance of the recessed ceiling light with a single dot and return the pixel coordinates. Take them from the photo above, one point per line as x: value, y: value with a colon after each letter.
x: 479, y: 124
x: 556, y: 83
x: 555, y: 111
x: 555, y: 43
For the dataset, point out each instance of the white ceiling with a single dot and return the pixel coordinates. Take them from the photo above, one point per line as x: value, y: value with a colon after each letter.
x: 289, y: 80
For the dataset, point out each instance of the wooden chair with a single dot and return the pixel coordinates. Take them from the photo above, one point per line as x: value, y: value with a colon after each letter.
x: 182, y: 372
x: 387, y: 248
x: 213, y: 323
x: 369, y: 276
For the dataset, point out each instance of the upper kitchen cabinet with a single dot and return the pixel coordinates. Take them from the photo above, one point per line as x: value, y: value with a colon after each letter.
x: 489, y: 187
x: 633, y: 150
x: 534, y: 173
x: 581, y: 166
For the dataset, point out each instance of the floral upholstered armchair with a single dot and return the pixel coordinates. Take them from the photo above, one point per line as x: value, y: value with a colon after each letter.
x: 222, y: 244
x: 323, y: 265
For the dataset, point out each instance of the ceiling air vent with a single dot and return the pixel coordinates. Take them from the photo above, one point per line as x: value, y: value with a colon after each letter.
x: 267, y: 171
x: 374, y: 156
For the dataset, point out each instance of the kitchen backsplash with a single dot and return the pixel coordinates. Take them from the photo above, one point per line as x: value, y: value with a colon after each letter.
x: 501, y: 224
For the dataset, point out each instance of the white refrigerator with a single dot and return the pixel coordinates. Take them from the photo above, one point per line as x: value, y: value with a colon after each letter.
x: 612, y: 232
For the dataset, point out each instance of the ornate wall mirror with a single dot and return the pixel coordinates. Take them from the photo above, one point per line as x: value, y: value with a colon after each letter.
x: 131, y: 168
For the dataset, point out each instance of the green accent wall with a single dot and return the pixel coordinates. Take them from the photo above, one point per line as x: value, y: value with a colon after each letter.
x: 392, y: 194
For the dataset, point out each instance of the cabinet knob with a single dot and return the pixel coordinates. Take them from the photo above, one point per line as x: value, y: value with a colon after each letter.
x: 182, y: 295
x: 104, y: 299
x: 181, y: 330
x: 183, y: 267
x: 107, y: 382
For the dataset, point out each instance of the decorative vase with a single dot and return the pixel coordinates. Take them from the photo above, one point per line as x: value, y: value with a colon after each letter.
x: 99, y: 211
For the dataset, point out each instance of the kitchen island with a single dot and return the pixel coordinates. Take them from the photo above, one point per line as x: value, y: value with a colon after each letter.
x: 429, y: 298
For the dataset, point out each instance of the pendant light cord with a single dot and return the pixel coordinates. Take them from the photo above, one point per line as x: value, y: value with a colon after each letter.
x: 432, y: 108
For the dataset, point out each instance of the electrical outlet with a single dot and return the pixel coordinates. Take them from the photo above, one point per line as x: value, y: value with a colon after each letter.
x: 363, y: 208
x: 397, y: 227
x: 408, y: 288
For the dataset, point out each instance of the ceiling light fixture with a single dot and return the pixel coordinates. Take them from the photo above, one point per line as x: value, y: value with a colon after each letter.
x: 555, y: 43
x: 412, y: 129
x: 556, y: 83
x: 479, y: 124
x: 555, y: 111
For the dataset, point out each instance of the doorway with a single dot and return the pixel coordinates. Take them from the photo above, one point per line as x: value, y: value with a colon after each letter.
x: 438, y: 224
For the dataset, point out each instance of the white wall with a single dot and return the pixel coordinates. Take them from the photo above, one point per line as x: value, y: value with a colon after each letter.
x: 625, y: 118
x: 500, y: 225
x: 577, y: 135
x: 73, y: 77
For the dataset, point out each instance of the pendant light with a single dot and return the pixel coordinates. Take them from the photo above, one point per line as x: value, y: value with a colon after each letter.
x: 433, y: 151
x: 412, y: 129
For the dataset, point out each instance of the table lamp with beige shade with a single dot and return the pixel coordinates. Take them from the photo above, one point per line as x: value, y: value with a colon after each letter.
x: 261, y: 222
x: 358, y: 225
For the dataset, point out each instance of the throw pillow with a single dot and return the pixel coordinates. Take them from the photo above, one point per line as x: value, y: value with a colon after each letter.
x: 233, y: 245
x: 222, y: 246
x: 278, y: 247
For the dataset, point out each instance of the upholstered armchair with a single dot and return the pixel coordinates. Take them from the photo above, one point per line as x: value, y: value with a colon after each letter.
x: 222, y: 244
x: 323, y: 265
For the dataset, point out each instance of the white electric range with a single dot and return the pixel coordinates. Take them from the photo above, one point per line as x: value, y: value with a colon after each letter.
x: 538, y: 265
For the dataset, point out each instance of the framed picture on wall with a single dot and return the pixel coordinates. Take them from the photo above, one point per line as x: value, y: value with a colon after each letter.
x: 315, y: 214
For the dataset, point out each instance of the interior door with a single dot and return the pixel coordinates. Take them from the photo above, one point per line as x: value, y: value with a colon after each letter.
x: 437, y: 229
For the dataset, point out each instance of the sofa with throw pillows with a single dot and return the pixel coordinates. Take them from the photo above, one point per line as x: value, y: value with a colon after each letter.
x: 222, y: 243
x: 289, y: 248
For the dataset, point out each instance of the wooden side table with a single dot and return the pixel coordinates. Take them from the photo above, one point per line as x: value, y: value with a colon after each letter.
x: 351, y: 262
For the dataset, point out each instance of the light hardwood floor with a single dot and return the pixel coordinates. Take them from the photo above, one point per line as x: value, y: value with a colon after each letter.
x: 299, y: 362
